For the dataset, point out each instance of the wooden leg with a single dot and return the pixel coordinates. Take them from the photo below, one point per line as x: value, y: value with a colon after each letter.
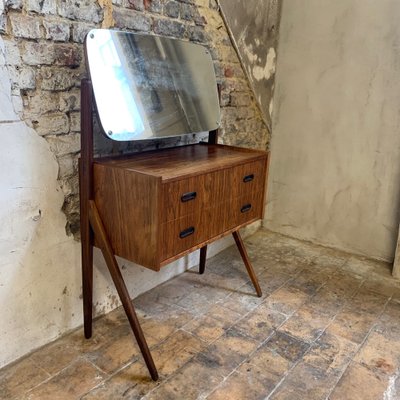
x: 85, y: 193
x: 87, y: 260
x: 119, y: 283
x: 203, y: 256
x: 87, y: 282
x: 246, y: 260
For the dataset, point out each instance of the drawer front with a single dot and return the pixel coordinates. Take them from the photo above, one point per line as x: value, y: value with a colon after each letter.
x: 183, y: 233
x: 244, y: 209
x: 190, y: 195
x: 248, y: 178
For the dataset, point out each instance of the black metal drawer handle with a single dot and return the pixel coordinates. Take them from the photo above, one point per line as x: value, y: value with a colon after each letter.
x: 188, y: 196
x: 248, y: 178
x: 245, y: 208
x: 187, y: 232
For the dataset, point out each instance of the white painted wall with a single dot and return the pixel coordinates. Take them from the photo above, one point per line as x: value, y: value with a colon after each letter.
x: 40, y: 270
x: 335, y: 167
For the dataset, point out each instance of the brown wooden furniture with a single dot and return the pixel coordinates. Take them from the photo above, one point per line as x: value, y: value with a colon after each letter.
x: 154, y: 207
x: 160, y: 205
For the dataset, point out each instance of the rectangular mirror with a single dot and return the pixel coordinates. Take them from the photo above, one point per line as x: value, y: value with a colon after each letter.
x: 149, y: 86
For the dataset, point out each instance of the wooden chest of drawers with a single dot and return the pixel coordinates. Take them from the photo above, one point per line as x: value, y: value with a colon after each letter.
x: 173, y: 201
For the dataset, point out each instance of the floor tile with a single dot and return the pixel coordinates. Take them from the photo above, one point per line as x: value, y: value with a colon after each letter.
x: 308, y: 382
x: 331, y: 353
x: 386, y: 286
x: 288, y: 347
x: 20, y: 377
x: 56, y: 356
x: 343, y: 284
x: 306, y: 324
x: 367, y: 302
x: 266, y: 364
x: 115, y: 354
x: 226, y: 353
x: 174, y: 352
x: 70, y: 383
x: 360, y: 383
x: 286, y: 300
x: 326, y: 302
x: 193, y: 381
x: 240, y: 386
x: 223, y: 314
x: 206, y: 328
x: 352, y: 325
x: 272, y: 280
x: 131, y: 383
x: 260, y: 323
x: 309, y: 281
x: 366, y: 267
x: 379, y: 353
x: 241, y: 303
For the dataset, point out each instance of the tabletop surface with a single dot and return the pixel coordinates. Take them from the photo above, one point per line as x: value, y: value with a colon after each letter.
x: 173, y: 163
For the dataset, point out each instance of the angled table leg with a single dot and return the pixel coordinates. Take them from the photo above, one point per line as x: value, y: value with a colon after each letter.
x: 122, y: 290
x: 203, y: 256
x: 246, y: 260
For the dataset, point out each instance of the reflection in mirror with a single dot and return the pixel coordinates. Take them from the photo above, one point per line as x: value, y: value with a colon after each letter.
x: 149, y: 87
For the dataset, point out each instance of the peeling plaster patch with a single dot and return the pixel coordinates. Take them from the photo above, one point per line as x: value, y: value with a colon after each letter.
x: 260, y: 73
x: 2, y: 53
x: 6, y: 106
x: 391, y: 392
x: 30, y: 250
x: 108, y: 20
x: 248, y: 52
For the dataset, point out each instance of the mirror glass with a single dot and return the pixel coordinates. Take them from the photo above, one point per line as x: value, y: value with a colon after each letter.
x: 149, y: 87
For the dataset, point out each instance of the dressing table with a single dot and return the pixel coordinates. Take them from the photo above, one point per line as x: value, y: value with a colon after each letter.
x: 154, y: 207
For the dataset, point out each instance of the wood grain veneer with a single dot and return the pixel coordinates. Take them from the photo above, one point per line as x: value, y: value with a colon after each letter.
x: 128, y: 204
x: 139, y: 198
x: 184, y: 161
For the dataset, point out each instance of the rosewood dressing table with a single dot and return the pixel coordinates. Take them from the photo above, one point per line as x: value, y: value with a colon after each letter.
x: 156, y: 206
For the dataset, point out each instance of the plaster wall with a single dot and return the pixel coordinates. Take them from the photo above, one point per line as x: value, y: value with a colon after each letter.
x: 335, y: 167
x: 254, y: 26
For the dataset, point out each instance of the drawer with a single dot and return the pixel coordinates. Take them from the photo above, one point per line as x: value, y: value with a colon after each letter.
x: 248, y: 178
x: 183, y: 233
x: 190, y: 195
x: 245, y: 208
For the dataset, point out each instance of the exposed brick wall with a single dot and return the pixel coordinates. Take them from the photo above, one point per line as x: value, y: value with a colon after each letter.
x: 44, y: 52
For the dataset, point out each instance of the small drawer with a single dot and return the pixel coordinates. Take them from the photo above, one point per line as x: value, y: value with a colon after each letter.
x: 245, y: 209
x: 190, y: 195
x: 183, y: 233
x: 248, y: 178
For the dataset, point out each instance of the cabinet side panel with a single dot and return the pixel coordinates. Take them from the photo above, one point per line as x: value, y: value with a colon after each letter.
x: 127, y: 202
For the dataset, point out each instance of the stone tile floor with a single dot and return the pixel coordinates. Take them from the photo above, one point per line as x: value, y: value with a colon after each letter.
x: 327, y: 327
